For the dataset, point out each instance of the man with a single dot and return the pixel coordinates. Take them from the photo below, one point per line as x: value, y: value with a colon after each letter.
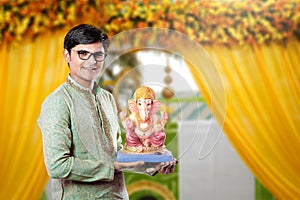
x: 79, y: 123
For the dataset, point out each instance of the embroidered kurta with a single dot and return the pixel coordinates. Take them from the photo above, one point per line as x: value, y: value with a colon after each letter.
x: 81, y: 136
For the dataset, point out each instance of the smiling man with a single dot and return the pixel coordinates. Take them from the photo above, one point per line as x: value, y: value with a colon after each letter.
x: 79, y: 123
x: 84, y: 51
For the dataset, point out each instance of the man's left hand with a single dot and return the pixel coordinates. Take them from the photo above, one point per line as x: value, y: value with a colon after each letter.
x: 167, y: 167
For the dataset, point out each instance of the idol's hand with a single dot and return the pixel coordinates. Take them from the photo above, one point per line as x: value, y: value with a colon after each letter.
x: 120, y: 166
x: 123, y: 114
x: 167, y: 167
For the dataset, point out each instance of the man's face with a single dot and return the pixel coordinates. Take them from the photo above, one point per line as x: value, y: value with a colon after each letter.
x: 83, y: 67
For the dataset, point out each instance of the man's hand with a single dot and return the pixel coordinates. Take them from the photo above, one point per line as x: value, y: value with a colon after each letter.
x: 120, y: 166
x: 167, y: 167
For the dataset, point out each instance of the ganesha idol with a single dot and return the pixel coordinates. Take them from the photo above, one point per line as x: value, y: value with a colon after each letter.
x: 145, y: 136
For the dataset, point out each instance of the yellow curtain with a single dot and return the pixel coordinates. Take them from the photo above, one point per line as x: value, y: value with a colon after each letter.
x: 30, y: 70
x: 261, y: 110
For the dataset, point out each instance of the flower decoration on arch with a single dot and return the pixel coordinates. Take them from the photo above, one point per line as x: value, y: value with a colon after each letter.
x: 207, y: 22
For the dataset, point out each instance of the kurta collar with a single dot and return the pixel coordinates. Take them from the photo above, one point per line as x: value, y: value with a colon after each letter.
x: 79, y: 87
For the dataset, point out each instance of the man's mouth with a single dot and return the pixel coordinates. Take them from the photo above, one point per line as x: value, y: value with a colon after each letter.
x: 91, y: 68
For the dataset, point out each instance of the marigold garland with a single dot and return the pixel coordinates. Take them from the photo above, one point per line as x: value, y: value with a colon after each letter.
x: 207, y: 22
x: 20, y: 19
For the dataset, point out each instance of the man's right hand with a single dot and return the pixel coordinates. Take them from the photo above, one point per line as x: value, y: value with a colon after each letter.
x: 120, y: 166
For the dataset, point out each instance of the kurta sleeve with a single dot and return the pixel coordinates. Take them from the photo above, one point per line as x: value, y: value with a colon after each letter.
x: 119, y: 133
x: 119, y: 141
x: 54, y: 122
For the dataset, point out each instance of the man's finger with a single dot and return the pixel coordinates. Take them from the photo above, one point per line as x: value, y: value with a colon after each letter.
x: 133, y: 164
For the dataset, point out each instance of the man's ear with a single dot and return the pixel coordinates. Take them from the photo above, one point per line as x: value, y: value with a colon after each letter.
x: 67, y: 55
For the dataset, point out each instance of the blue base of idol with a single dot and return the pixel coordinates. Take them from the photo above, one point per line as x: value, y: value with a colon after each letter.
x: 123, y: 156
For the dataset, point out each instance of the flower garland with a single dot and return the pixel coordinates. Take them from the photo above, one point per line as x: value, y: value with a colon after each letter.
x: 211, y: 22
x: 20, y: 19
x: 207, y: 22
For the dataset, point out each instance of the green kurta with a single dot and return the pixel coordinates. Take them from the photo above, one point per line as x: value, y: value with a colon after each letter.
x: 80, y: 143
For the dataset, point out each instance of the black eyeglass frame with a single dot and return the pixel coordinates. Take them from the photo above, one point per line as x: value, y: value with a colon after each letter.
x: 80, y: 52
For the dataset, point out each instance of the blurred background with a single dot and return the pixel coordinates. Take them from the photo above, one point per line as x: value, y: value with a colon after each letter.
x: 225, y: 71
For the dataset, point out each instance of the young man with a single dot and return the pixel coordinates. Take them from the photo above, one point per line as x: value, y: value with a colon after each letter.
x: 80, y: 128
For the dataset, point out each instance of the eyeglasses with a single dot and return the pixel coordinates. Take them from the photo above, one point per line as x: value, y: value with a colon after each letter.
x: 85, y: 55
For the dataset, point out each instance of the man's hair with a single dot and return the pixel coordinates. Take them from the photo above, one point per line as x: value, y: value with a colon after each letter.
x: 85, y: 34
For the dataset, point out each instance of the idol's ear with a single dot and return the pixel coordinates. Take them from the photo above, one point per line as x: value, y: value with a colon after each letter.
x: 155, y: 106
x: 132, y: 106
